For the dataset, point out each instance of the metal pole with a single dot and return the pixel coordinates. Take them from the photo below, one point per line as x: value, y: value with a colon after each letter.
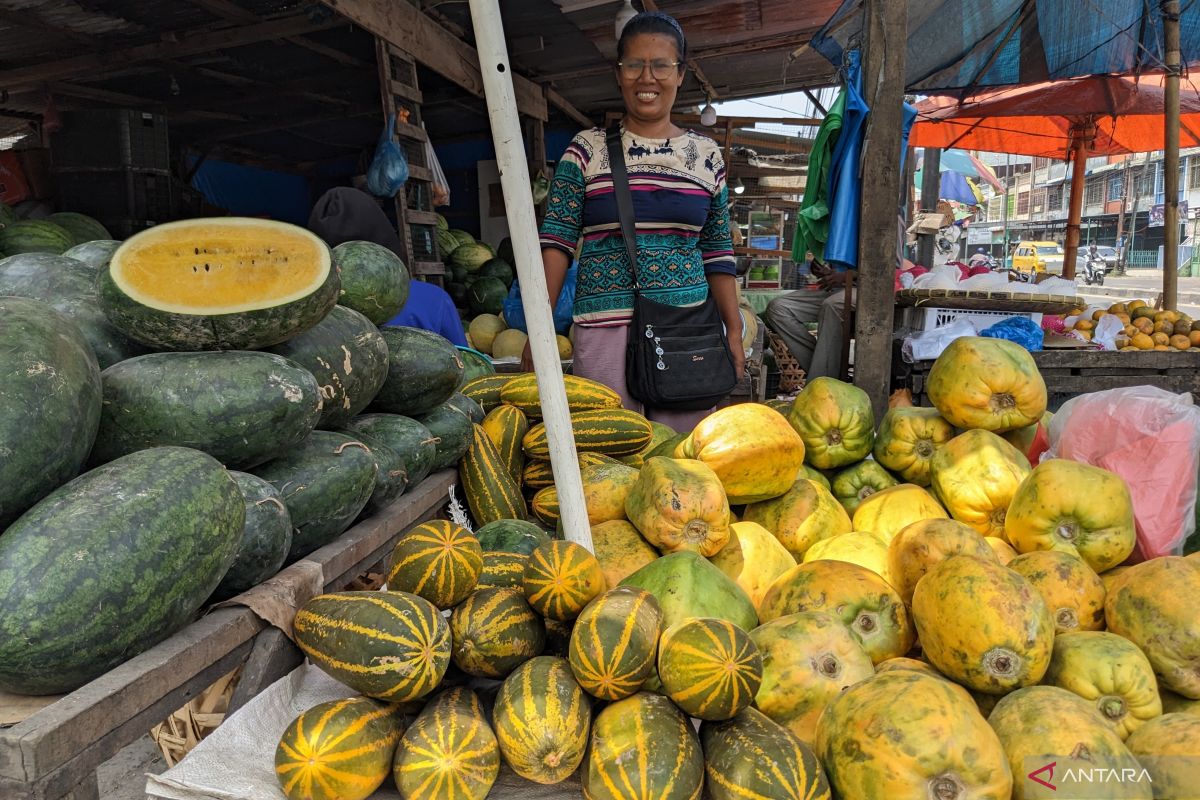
x: 1170, y: 15
x: 518, y: 203
x: 931, y: 187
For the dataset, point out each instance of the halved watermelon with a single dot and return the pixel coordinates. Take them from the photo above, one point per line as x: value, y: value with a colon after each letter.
x: 231, y: 283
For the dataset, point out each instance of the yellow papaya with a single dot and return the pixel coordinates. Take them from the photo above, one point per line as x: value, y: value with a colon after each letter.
x: 864, y: 548
x: 751, y: 447
x: 620, y: 549
x: 976, y: 475
x: 1166, y: 748
x: 892, y: 510
x: 989, y: 384
x: 907, y: 439
x: 836, y: 422
x: 926, y: 543
x: 753, y: 558
x: 1003, y: 550
x: 804, y: 515
x: 679, y: 504
x: 1070, y: 587
x: 1073, y: 507
x: 1108, y: 671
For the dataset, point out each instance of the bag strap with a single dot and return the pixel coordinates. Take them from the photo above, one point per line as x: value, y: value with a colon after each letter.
x: 620, y: 178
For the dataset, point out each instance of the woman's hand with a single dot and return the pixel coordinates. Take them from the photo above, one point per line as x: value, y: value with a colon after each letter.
x: 527, y: 358
x: 739, y: 356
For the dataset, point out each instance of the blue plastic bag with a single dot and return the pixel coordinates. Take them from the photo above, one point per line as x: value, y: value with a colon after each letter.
x: 389, y: 167
x: 514, y: 312
x: 1021, y: 330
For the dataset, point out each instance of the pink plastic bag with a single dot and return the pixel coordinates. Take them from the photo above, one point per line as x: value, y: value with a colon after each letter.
x: 1151, y: 438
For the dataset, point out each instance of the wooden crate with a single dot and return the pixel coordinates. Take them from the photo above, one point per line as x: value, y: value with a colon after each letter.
x: 1073, y: 372
x: 53, y: 753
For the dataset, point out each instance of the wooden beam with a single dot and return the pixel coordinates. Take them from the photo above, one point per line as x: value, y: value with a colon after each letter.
x: 99, y: 95
x: 27, y: 19
x: 293, y: 122
x: 816, y: 102
x: 885, y: 23
x: 224, y: 9
x: 563, y: 104
x: 184, y: 44
x: 407, y: 28
x: 292, y: 89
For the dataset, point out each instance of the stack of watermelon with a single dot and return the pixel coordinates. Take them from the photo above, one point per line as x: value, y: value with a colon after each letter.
x: 192, y: 410
x: 477, y: 278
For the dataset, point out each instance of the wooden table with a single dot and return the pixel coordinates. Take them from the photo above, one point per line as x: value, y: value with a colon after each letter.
x: 1073, y: 372
x: 53, y: 753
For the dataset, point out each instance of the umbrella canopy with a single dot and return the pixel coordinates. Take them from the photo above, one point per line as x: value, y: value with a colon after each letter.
x: 957, y: 187
x: 1039, y: 120
x: 965, y: 46
x: 967, y: 165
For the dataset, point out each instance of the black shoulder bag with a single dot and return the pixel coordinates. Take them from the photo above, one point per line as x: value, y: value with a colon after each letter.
x: 676, y: 358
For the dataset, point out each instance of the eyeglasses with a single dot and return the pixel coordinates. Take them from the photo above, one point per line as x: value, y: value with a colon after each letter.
x: 660, y: 68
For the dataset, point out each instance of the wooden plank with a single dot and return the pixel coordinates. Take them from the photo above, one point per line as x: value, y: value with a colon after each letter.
x: 429, y: 268
x: 564, y: 105
x: 187, y: 43
x: 410, y: 93
x: 886, y: 26
x: 1080, y: 384
x: 372, y: 539
x: 238, y: 131
x: 57, y: 733
x: 422, y: 217
x: 406, y: 27
x: 418, y: 173
x: 414, y: 132
x: 272, y: 657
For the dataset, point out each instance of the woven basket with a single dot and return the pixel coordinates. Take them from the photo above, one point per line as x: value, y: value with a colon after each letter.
x: 791, y: 375
x: 184, y: 729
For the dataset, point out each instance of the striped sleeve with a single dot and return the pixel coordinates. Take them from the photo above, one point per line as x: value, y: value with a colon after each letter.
x: 716, y: 242
x: 563, y: 222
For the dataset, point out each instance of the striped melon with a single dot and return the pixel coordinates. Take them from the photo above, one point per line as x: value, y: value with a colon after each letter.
x: 582, y: 394
x: 614, y: 432
x: 544, y: 505
x: 561, y: 578
x: 709, y: 667
x: 594, y: 459
x: 752, y: 758
x: 340, y: 750
x: 491, y: 491
x: 391, y: 646
x: 558, y: 637
x: 494, y: 631
x: 502, y: 569
x: 449, y: 752
x: 537, y: 474
x: 506, y: 427
x: 643, y: 748
x: 614, y: 643
x: 437, y: 560
x: 541, y: 717
x: 485, y: 390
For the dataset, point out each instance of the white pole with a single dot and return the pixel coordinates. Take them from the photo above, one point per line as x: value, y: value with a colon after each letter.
x: 522, y: 226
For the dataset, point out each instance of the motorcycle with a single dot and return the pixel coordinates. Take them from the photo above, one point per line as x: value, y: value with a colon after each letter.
x: 1093, y: 271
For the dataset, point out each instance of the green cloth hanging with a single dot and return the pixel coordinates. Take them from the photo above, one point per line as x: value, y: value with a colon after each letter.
x: 812, y: 222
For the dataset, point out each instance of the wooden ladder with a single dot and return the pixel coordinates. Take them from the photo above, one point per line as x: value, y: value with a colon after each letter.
x: 415, y: 217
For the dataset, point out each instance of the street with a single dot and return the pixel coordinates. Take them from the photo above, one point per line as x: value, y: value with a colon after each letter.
x: 1144, y: 284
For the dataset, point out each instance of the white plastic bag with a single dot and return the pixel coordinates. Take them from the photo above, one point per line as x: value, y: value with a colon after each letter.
x: 1151, y: 438
x: 439, y: 186
x: 1106, y: 331
x: 929, y: 345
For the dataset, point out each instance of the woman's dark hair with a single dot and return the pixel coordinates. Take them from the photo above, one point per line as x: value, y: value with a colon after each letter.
x: 653, y: 22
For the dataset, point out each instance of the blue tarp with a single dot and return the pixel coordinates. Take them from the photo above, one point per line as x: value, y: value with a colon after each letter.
x: 957, y: 45
x: 844, y: 183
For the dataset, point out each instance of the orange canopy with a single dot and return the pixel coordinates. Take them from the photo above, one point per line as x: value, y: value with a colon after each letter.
x: 1038, y: 119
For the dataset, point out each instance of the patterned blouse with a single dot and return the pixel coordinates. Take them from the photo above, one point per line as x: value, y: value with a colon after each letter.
x: 680, y: 206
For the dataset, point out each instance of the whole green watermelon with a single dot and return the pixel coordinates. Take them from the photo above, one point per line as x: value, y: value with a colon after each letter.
x: 499, y: 268
x: 81, y: 227
x: 452, y: 428
x: 112, y: 563
x: 34, y: 236
x: 49, y: 403
x: 96, y: 254
x: 424, y: 369
x: 69, y: 286
x: 374, y: 280
x: 470, y: 257
x: 414, y: 443
x: 266, y: 537
x: 475, y: 365
x: 486, y: 295
x: 461, y: 236
x: 241, y: 407
x: 447, y: 243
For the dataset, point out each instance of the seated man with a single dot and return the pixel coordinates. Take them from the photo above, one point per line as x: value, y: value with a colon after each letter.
x: 790, y: 314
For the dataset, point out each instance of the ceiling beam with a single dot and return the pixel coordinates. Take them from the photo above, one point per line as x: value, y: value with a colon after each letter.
x: 99, y: 95
x: 268, y: 126
x: 406, y: 27
x: 564, y: 105
x: 291, y: 89
x: 28, y: 20
x: 182, y: 44
x: 232, y: 12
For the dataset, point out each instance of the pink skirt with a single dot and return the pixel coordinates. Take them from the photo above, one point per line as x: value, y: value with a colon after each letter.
x: 600, y: 356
